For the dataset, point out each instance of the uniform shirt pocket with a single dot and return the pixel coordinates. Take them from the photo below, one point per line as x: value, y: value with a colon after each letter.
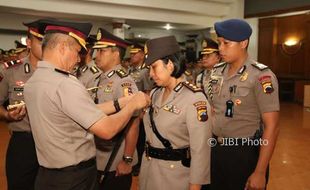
x: 242, y: 91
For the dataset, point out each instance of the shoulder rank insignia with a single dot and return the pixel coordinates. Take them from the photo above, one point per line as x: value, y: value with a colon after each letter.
x: 12, y: 63
x: 110, y: 74
x: 94, y: 69
x: 62, y: 72
x: 201, y: 107
x: 260, y: 66
x: 121, y: 73
x: 187, y: 73
x: 27, y: 68
x: 192, y: 87
x: 219, y: 65
x: 84, y: 68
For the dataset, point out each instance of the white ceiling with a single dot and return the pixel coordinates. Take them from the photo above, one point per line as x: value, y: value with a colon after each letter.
x: 181, y: 14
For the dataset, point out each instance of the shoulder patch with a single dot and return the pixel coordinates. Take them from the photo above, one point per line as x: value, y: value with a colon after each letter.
x: 201, y: 107
x: 219, y: 65
x: 10, y: 64
x: 94, y: 69
x: 62, y: 72
x: 121, y: 73
x: 192, y: 87
x: 259, y: 66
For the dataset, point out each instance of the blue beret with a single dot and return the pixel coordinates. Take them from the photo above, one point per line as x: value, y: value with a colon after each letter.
x: 233, y: 29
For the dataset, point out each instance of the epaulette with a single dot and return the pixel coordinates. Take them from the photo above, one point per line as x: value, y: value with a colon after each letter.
x: 187, y: 73
x: 259, y: 66
x: 143, y: 66
x: 62, y: 72
x: 10, y: 64
x: 192, y: 87
x: 219, y: 65
x: 84, y: 68
x: 121, y: 73
x: 110, y: 74
x: 94, y: 69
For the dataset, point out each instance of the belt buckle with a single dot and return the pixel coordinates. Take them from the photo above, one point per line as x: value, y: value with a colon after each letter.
x: 147, y: 155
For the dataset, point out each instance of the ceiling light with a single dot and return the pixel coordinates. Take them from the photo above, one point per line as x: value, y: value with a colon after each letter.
x: 168, y: 27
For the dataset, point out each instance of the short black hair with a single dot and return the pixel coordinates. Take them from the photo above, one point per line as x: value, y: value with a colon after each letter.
x: 178, y: 62
x: 121, y: 51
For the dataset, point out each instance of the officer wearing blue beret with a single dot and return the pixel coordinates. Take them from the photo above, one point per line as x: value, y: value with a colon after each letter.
x: 244, y: 94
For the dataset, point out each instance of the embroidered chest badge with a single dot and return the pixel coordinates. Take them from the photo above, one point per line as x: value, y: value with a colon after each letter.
x: 244, y: 77
x: 172, y: 109
x: 108, y: 88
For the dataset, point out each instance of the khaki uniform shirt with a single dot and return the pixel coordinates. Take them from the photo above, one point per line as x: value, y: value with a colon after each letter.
x: 183, y: 119
x: 202, y: 80
x: 61, y: 112
x: 253, y: 91
x: 88, y: 74
x: 13, y: 76
x: 142, y: 78
x: 112, y: 84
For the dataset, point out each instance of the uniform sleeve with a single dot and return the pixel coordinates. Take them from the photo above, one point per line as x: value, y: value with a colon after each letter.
x: 148, y: 84
x: 4, y: 87
x: 267, y: 92
x: 75, y: 102
x: 199, y: 126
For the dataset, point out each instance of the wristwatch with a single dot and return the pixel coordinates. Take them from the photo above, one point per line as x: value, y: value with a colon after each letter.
x: 127, y: 159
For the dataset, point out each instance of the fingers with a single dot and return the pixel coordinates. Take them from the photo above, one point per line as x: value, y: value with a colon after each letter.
x: 18, y: 113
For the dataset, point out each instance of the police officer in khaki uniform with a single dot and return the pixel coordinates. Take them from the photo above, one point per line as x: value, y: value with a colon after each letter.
x: 177, y: 125
x: 244, y: 93
x: 138, y: 70
x: 210, y: 57
x: 62, y: 114
x: 113, y: 84
x: 21, y: 159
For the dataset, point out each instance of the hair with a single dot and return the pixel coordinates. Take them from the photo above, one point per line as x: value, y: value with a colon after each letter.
x: 121, y: 51
x: 178, y: 62
x: 51, y: 40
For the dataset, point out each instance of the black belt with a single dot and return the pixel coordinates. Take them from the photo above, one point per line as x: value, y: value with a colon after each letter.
x: 21, y: 134
x: 167, y: 154
x: 81, y: 165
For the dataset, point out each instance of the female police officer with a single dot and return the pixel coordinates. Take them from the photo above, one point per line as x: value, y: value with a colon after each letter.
x: 177, y: 125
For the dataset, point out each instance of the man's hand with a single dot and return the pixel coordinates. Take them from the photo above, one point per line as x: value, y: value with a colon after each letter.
x: 256, y: 181
x: 16, y: 114
x: 123, y: 168
x: 140, y: 100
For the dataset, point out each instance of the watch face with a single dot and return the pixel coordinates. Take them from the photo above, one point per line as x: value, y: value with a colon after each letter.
x: 127, y: 159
